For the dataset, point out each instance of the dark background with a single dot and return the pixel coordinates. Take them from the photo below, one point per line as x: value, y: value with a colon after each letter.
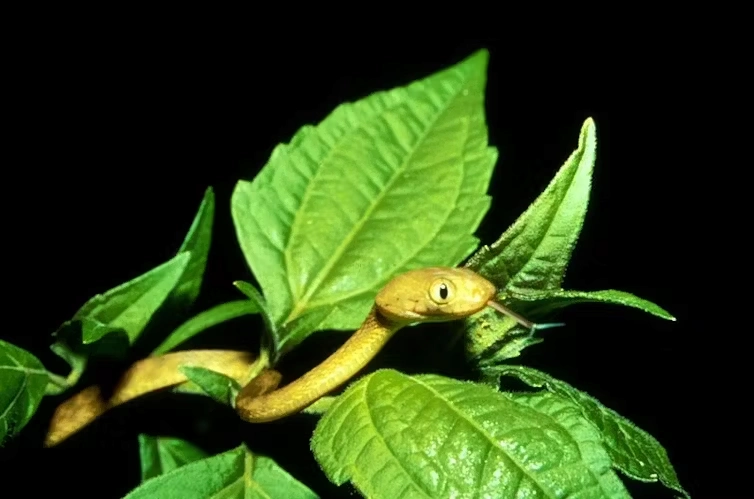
x: 116, y: 135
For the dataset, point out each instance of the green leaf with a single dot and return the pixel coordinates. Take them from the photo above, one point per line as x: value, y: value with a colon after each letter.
x: 76, y: 360
x: 492, y: 338
x: 160, y: 455
x: 236, y: 473
x: 205, y: 320
x: 298, y: 329
x: 253, y: 294
x: 79, y: 339
x: 258, y: 301
x: 197, y: 242
x: 221, y: 388
x: 131, y: 305
x: 109, y: 323
x: 551, y: 300
x: 429, y: 436
x: 531, y: 256
x: 632, y: 450
x: 321, y: 406
x: 534, y: 252
x: 392, y: 182
x: 23, y: 380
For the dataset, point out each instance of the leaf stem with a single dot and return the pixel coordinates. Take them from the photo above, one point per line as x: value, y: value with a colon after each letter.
x: 57, y: 384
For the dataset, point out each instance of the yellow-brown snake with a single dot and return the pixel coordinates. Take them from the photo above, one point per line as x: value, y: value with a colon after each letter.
x: 435, y: 294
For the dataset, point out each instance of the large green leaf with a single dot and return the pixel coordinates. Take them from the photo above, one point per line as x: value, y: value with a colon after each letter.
x: 205, y: 320
x: 160, y: 455
x: 197, y: 242
x: 234, y: 474
x: 633, y: 451
x: 23, y: 380
x: 392, y: 182
x: 428, y: 436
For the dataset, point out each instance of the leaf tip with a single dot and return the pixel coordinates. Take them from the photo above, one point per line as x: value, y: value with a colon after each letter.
x: 483, y: 55
x: 240, y: 285
x: 477, y: 60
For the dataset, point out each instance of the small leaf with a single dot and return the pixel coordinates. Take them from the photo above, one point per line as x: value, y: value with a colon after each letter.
x: 76, y: 360
x: 300, y: 328
x: 321, y: 406
x: 205, y: 320
x: 221, y: 388
x: 87, y: 337
x: 257, y: 300
x: 253, y: 294
x: 491, y: 339
x: 197, y: 242
x: 160, y: 455
x: 534, y: 252
x: 23, y: 380
x: 108, y: 323
x: 131, y: 305
x: 236, y: 473
x: 633, y: 451
x: 429, y: 436
x: 551, y: 300
x: 400, y: 177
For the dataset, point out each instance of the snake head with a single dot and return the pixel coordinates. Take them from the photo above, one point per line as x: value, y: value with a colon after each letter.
x: 434, y: 294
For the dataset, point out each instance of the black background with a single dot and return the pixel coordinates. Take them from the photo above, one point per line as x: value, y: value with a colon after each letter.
x: 117, y: 133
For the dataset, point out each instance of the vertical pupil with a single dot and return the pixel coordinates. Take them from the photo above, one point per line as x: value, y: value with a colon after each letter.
x: 443, y: 291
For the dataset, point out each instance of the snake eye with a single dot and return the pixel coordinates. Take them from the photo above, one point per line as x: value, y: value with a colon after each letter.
x: 441, y: 291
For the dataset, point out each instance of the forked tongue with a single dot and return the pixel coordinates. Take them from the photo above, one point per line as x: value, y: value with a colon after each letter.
x: 522, y: 320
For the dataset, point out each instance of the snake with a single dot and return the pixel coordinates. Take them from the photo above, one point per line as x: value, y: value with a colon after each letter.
x: 430, y: 294
x: 433, y: 294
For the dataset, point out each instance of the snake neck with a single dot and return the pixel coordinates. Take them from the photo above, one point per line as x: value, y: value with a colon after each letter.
x: 360, y: 348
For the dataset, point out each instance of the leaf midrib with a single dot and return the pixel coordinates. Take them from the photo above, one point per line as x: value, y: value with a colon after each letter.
x: 375, y: 285
x: 325, y: 271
